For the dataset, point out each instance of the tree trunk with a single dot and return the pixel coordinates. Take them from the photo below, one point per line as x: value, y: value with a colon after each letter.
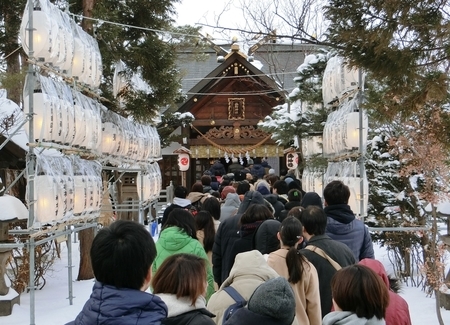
x: 86, y: 237
x: 434, y: 259
x: 87, y: 24
x: 437, y: 294
x: 12, y: 54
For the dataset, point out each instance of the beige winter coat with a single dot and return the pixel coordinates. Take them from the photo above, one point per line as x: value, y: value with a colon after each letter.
x: 250, y: 269
x: 307, y: 296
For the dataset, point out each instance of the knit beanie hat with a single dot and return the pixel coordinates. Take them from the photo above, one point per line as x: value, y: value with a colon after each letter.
x: 226, y: 190
x: 274, y: 298
x: 271, y: 171
x: 263, y: 189
x: 288, y: 180
x: 311, y: 198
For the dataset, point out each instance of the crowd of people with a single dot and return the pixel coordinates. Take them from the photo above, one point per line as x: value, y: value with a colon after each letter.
x: 245, y: 246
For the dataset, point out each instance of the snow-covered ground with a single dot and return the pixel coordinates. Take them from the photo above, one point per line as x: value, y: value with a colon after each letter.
x: 52, y: 304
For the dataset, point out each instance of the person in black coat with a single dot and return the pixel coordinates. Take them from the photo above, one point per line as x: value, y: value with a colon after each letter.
x: 235, y: 166
x: 314, y: 222
x: 218, y: 167
x: 265, y: 239
x: 252, y: 218
x: 277, y: 203
x: 227, y: 234
x: 257, y: 170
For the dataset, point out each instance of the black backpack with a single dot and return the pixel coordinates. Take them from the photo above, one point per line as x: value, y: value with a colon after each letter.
x: 239, y: 303
x: 195, y: 207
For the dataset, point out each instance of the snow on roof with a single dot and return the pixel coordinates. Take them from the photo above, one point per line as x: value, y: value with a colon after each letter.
x: 258, y: 64
x: 7, y: 108
x: 12, y: 208
x: 442, y: 207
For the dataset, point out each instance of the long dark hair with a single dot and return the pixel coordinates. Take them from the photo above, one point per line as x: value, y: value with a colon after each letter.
x: 290, y: 233
x: 204, y: 221
x: 212, y: 205
x: 182, y: 219
x: 256, y: 212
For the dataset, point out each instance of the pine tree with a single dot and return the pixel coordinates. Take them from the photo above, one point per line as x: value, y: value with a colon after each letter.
x: 10, y: 71
x: 393, y: 203
x: 402, y: 45
x: 298, y: 116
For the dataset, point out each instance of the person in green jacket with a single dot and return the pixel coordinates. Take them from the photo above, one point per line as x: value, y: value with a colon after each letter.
x: 178, y: 235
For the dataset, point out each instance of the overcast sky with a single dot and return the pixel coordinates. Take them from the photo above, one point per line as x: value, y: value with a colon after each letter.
x: 207, y: 12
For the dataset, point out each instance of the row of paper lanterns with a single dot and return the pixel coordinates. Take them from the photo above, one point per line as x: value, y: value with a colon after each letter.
x: 65, y: 116
x: 69, y: 187
x: 124, y: 138
x: 341, y: 130
x: 66, y: 187
x: 338, y: 79
x: 149, y: 183
x: 312, y: 180
x: 312, y: 145
x: 58, y: 40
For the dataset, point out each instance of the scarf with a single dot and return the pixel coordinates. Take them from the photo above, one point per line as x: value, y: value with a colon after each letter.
x: 249, y: 228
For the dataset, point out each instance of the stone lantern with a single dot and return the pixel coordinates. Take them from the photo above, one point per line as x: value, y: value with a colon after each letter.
x: 12, y: 209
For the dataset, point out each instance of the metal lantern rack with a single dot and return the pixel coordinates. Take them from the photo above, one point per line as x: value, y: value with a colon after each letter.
x: 344, y: 138
x: 58, y: 116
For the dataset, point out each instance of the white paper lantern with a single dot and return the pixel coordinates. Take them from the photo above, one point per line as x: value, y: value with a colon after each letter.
x: 156, y: 144
x: 292, y: 160
x: 143, y: 184
x: 97, y: 127
x: 45, y: 118
x: 69, y: 190
x: 47, y: 199
x: 67, y: 40
x: 158, y: 181
x: 183, y: 161
x: 78, y: 61
x: 80, y: 195
x: 329, y: 93
x: 109, y: 137
x: 305, y: 180
x: 355, y: 193
x: 44, y: 32
x: 99, y: 194
x: 351, y: 135
x: 79, y: 122
x: 312, y: 145
x: 317, y: 182
x: 338, y: 79
x: 89, y: 120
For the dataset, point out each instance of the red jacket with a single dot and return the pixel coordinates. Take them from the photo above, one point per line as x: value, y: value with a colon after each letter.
x: 397, y: 312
